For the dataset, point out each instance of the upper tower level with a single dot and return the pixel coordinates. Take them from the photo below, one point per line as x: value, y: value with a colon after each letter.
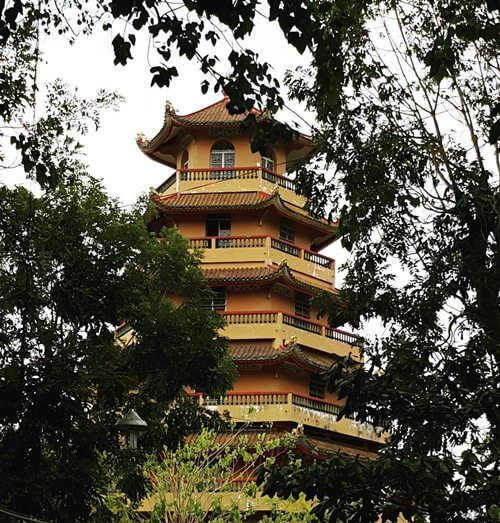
x: 211, y: 153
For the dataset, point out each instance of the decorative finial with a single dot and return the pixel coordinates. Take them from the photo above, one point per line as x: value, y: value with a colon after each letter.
x: 141, y: 139
x: 170, y: 108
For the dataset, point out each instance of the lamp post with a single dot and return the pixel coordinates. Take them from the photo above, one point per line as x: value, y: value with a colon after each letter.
x: 130, y: 425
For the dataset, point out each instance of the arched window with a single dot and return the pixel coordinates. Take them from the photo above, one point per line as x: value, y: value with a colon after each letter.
x: 185, y: 159
x: 268, y: 159
x: 222, y: 154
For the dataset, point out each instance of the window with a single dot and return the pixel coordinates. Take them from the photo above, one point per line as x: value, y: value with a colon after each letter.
x: 268, y: 160
x: 302, y: 305
x: 287, y: 231
x: 316, y: 386
x: 185, y: 159
x: 222, y: 157
x: 217, y: 300
x: 218, y: 225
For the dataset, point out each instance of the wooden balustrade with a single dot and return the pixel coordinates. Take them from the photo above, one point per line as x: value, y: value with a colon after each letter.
x: 239, y: 242
x: 318, y: 259
x: 228, y: 173
x: 243, y: 242
x: 218, y: 173
x: 275, y: 178
x: 273, y: 398
x: 286, y: 247
x: 342, y: 336
x: 254, y: 398
x: 315, y: 404
x: 245, y: 317
x: 292, y: 320
x: 303, y: 323
x: 199, y: 243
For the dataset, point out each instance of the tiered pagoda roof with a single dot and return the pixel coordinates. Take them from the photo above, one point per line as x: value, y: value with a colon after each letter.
x: 245, y: 353
x: 215, y: 116
x: 236, y: 201
x: 247, y: 275
x: 308, y: 445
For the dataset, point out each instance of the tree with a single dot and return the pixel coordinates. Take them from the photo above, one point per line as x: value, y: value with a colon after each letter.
x: 213, y: 475
x: 409, y: 128
x: 74, y: 265
x: 409, y: 125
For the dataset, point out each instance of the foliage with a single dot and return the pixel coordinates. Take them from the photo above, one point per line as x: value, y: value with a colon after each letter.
x: 408, y: 134
x: 73, y: 266
x: 406, y: 97
x: 207, y: 475
x: 45, y: 145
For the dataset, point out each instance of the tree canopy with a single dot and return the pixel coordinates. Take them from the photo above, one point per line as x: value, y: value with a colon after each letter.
x: 406, y: 99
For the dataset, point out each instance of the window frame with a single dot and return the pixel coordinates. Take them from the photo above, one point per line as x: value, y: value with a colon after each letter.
x: 317, y: 386
x: 218, y: 218
x: 287, y: 231
x: 226, y: 150
x: 218, y: 300
x: 302, y: 305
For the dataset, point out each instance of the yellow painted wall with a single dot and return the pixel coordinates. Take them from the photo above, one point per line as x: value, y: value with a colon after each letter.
x: 256, y: 300
x: 271, y: 379
x: 262, y: 223
x: 199, y: 152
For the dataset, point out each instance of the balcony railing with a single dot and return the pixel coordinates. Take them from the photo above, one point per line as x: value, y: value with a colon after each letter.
x: 299, y: 407
x: 287, y: 247
x: 228, y: 173
x: 230, y: 242
x: 273, y: 398
x: 292, y: 320
x: 219, y: 173
x: 277, y: 179
x: 303, y: 324
x: 317, y: 259
x: 315, y: 404
x: 246, y: 317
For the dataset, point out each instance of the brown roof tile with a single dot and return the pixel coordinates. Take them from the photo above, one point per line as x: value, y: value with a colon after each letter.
x: 239, y: 274
x: 215, y: 114
x: 249, y: 352
x: 258, y: 274
x: 238, y: 200
x: 328, y: 447
x: 212, y: 200
x: 246, y: 352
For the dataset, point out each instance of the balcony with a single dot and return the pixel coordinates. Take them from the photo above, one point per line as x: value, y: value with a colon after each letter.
x: 292, y: 407
x: 279, y: 326
x: 229, y: 179
x: 310, y: 264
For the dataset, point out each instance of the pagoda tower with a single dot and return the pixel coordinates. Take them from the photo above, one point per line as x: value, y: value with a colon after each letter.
x: 261, y: 257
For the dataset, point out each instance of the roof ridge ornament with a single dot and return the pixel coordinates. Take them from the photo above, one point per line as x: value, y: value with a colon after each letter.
x: 169, y: 107
x: 141, y: 140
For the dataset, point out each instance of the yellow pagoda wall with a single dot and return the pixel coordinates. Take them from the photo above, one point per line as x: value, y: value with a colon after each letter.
x: 260, y: 300
x: 245, y: 224
x: 266, y: 380
x: 199, y: 152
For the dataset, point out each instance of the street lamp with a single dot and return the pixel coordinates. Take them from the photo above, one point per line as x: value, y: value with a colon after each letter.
x: 130, y: 425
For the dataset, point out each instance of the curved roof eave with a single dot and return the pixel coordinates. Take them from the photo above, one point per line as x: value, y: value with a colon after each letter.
x: 282, y: 273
